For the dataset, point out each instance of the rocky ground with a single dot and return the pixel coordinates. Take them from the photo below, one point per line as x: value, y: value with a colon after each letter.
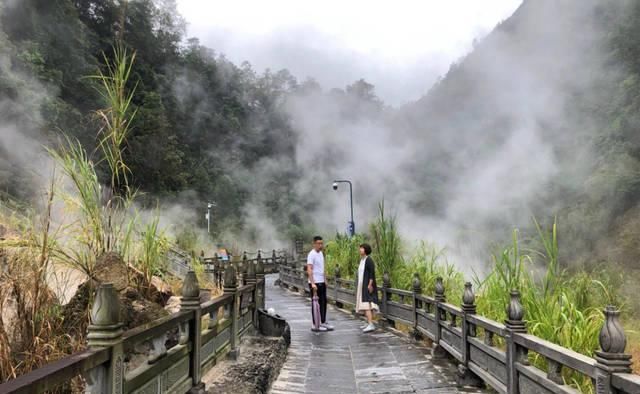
x: 137, y: 308
x: 257, y: 367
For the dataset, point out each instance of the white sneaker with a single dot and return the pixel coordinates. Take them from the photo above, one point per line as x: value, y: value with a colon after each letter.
x: 320, y: 329
x: 328, y: 326
x: 369, y: 328
x: 365, y: 325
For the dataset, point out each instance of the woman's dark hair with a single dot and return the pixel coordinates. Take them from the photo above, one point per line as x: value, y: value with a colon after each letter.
x: 367, y: 248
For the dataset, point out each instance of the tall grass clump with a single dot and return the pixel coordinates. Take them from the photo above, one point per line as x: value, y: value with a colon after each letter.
x: 103, y: 214
x: 562, y: 307
x: 31, y: 333
x: 387, y: 244
x: 117, y: 117
x: 343, y: 252
x: 154, y: 246
x: 101, y: 221
x: 507, y: 273
x: 430, y: 262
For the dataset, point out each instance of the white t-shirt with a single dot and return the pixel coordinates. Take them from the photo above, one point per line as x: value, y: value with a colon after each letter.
x: 316, y: 260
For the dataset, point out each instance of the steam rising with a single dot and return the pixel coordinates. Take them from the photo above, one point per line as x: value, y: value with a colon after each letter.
x: 477, y: 156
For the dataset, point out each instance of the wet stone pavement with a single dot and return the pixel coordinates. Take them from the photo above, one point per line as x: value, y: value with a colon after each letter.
x: 348, y: 361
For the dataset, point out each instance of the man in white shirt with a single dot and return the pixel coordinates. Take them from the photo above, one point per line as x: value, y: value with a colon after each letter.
x: 315, y: 272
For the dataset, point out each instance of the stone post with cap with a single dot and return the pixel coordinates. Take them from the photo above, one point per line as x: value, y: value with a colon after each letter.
x: 232, y: 309
x: 260, y: 293
x: 190, y: 301
x: 516, y: 354
x: 465, y: 376
x: 336, y: 286
x: 386, y: 285
x: 611, y: 358
x: 417, y: 304
x: 437, y: 351
x: 105, y: 331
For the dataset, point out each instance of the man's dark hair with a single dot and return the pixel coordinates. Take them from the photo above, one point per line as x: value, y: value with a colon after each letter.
x: 367, y: 248
x: 317, y: 238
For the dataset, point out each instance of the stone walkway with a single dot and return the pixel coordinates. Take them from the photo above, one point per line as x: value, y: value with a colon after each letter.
x: 348, y: 361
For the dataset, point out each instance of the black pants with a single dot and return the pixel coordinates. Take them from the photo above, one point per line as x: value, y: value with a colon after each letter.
x: 322, y: 300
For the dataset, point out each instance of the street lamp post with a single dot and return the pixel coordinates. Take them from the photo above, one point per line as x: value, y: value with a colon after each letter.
x: 352, y: 224
x: 208, y: 216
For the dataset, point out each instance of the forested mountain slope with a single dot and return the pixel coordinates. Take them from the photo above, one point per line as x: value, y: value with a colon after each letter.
x: 198, y: 116
x: 540, y: 119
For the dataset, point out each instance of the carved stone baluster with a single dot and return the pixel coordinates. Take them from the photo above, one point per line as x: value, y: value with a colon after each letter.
x: 183, y: 329
x: 216, y: 270
x: 336, y: 286
x: 95, y: 380
x: 440, y: 297
x: 242, y: 270
x: 465, y: 376
x: 213, y: 320
x: 105, y: 331
x: 516, y: 324
x: 469, y: 306
x: 191, y: 302
x: 554, y: 371
x: 417, y: 290
x: 611, y: 357
x: 386, y: 285
x: 261, y: 284
x: 437, y: 351
x: 488, y: 338
x: 516, y: 354
x: 159, y: 349
x: 232, y: 309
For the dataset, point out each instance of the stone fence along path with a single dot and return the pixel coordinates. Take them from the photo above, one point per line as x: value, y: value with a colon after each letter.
x: 348, y: 361
x: 171, y: 354
x: 496, y: 354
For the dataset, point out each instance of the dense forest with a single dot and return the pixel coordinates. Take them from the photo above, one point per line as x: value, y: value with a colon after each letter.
x: 198, y: 117
x: 540, y: 119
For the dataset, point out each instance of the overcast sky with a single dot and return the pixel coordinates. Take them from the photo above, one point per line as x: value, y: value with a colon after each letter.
x: 401, y: 46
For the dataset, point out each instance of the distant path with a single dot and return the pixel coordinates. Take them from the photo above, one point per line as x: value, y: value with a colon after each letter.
x: 347, y: 361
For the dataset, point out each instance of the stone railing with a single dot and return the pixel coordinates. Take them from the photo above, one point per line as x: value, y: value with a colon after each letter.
x: 471, y: 340
x: 169, y: 355
x: 178, y: 264
x: 214, y: 266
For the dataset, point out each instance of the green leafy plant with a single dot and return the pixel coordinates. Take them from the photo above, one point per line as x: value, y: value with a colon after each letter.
x: 430, y: 262
x: 387, y: 247
x: 117, y: 117
x: 343, y: 252
x: 153, y: 250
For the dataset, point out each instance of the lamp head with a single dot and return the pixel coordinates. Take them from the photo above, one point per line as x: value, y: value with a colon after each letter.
x: 335, y: 185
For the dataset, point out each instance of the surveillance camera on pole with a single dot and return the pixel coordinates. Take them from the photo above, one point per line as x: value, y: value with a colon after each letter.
x: 351, y: 225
